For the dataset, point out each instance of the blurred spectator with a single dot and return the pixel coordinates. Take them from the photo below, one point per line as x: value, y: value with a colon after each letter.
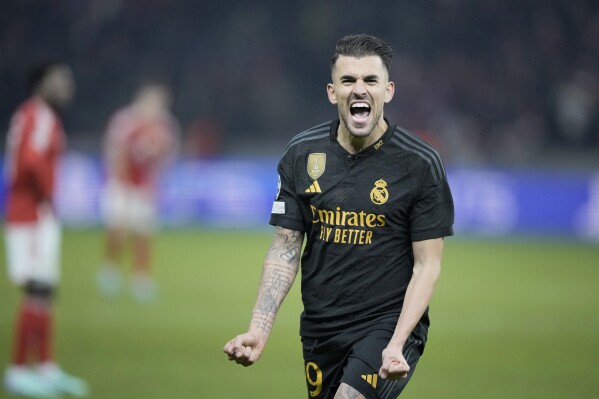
x: 576, y: 106
x: 471, y: 70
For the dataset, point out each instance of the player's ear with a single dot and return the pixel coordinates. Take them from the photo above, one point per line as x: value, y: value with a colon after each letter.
x: 331, y: 93
x: 389, y: 91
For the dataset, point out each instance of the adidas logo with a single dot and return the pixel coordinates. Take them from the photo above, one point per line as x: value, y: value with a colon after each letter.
x: 314, y: 188
x: 372, y: 379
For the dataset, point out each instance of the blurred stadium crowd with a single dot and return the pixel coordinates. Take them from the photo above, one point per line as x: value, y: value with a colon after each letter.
x: 513, y: 82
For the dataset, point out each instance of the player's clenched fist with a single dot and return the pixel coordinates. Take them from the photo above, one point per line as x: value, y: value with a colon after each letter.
x: 394, y: 365
x: 244, y: 349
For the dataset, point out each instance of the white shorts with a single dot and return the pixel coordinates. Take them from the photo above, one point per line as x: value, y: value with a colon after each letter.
x: 33, y: 251
x: 128, y: 208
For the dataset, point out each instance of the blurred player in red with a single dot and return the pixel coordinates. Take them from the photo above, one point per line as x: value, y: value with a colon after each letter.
x: 140, y: 140
x: 34, y: 145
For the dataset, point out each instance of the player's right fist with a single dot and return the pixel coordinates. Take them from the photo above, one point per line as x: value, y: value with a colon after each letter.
x: 394, y: 364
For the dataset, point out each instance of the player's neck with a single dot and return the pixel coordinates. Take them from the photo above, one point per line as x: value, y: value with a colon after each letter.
x: 148, y: 112
x: 42, y: 99
x: 354, y: 144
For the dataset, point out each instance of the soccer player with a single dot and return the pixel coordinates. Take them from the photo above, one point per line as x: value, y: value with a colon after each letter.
x: 373, y: 203
x: 139, y: 141
x: 35, y: 143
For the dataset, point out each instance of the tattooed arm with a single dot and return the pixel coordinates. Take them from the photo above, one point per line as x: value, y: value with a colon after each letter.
x: 279, y: 271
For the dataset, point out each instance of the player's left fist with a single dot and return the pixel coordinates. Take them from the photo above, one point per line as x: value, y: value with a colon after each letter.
x: 394, y: 365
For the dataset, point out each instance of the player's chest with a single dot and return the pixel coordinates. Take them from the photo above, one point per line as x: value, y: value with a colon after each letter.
x: 374, y: 185
x: 49, y: 142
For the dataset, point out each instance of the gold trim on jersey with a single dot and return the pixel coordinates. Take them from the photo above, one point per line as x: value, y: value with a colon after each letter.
x: 379, y: 194
x: 317, y: 163
x: 314, y: 188
x: 346, y: 227
x: 372, y: 379
x: 339, y: 217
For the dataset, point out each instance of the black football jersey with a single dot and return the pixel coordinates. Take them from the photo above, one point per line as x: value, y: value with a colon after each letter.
x: 360, y: 214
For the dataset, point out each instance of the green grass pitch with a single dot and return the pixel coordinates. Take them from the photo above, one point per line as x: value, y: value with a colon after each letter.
x: 511, y: 319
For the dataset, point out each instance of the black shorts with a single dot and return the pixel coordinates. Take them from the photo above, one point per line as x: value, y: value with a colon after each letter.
x: 354, y: 357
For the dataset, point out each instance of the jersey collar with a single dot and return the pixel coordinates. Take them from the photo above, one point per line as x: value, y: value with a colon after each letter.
x: 366, y: 151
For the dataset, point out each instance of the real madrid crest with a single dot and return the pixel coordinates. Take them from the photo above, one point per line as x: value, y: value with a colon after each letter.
x: 379, y: 194
x: 317, y: 163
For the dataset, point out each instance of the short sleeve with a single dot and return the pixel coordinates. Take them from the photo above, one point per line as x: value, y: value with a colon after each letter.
x: 432, y: 212
x: 286, y: 209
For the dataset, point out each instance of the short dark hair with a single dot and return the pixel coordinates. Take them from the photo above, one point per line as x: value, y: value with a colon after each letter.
x: 39, y: 72
x: 362, y: 45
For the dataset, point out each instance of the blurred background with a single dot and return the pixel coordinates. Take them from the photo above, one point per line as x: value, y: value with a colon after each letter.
x: 504, y: 85
x: 507, y: 91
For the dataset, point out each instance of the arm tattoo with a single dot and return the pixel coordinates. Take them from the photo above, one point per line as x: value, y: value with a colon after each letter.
x: 289, y: 255
x: 280, y: 268
x: 347, y: 392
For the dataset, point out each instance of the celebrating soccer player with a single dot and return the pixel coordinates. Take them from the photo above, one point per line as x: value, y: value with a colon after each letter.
x: 35, y: 142
x: 373, y: 203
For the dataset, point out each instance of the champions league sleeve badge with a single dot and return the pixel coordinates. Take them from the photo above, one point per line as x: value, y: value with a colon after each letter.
x: 278, y: 207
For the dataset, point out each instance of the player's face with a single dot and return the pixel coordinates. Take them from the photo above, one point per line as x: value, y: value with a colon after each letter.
x: 153, y: 100
x: 59, y: 86
x: 360, y: 89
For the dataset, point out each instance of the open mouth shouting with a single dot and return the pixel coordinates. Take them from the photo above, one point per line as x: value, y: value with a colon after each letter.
x: 360, y: 111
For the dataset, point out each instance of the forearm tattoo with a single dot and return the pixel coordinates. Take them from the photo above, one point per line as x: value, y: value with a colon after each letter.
x: 347, y: 392
x: 280, y: 268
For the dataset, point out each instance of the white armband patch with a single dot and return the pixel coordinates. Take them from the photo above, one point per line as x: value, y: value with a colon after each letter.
x: 278, y: 207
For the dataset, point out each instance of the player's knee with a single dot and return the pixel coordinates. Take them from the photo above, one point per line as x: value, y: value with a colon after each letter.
x: 39, y: 290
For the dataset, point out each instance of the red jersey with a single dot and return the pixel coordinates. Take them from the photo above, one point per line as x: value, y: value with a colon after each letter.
x: 136, y: 147
x: 35, y: 142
